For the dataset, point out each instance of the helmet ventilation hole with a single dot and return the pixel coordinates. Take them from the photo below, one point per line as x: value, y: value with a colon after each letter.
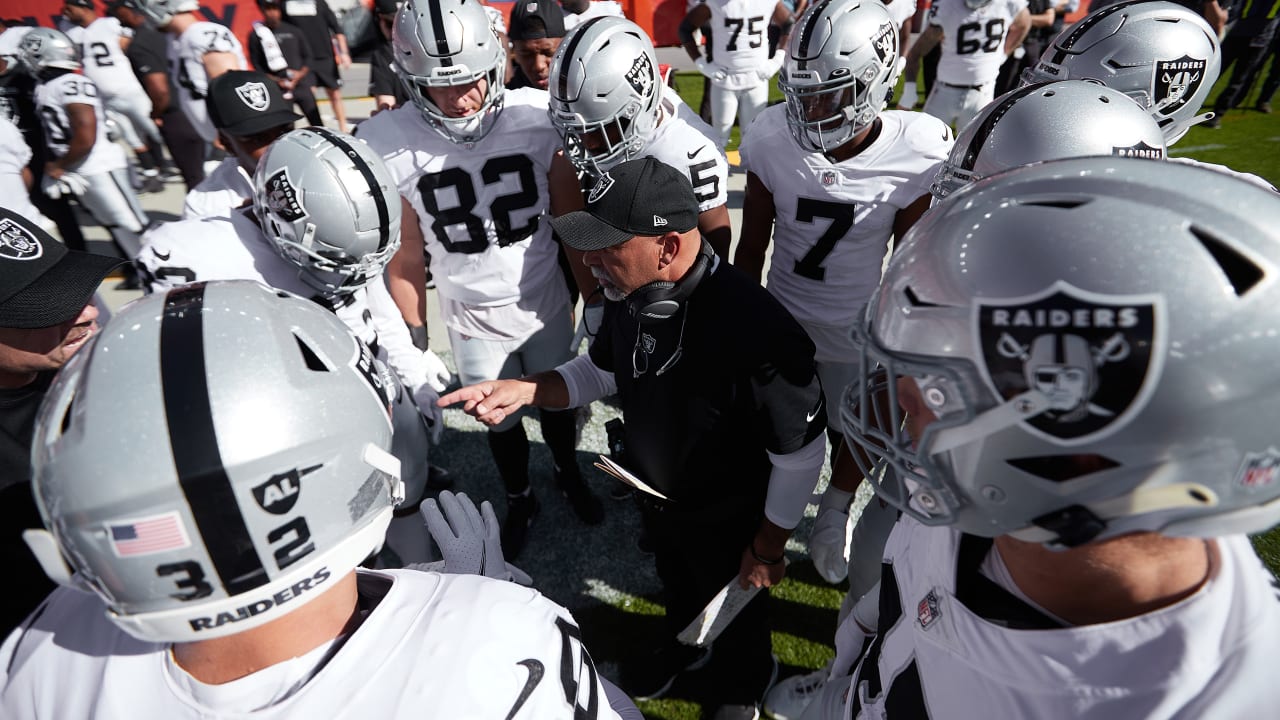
x: 1241, y: 272
x: 1061, y: 468
x: 309, y: 356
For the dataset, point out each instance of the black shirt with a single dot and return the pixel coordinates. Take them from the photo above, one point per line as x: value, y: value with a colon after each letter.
x: 293, y: 46
x: 382, y: 79
x: 316, y: 21
x: 27, y: 584
x: 148, y: 53
x: 743, y: 384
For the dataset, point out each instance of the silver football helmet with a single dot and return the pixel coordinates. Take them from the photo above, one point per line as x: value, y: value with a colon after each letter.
x: 330, y: 206
x: 1093, y: 338
x: 1049, y: 121
x: 1159, y: 53
x: 606, y: 93
x: 253, y: 472
x: 841, y: 65
x: 43, y: 49
x: 447, y: 43
x: 158, y: 13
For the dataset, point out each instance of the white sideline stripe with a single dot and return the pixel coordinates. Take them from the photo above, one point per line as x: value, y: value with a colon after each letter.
x: 1194, y: 148
x: 609, y: 595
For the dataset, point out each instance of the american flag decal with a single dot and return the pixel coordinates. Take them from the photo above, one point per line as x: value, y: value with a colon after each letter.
x: 145, y: 536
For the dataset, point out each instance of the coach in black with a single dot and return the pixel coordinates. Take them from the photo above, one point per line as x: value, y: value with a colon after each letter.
x: 723, y: 412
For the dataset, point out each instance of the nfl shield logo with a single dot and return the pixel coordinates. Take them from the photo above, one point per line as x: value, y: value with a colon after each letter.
x: 1176, y: 82
x: 828, y: 178
x: 927, y: 611
x: 1093, y: 359
x: 254, y: 94
x: 1259, y: 470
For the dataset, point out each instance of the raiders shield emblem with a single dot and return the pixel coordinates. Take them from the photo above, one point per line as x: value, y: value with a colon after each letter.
x: 600, y: 188
x: 17, y: 242
x: 282, y: 197
x: 1175, y: 82
x: 279, y: 493
x: 254, y: 95
x: 885, y: 43
x: 1095, y: 358
x: 640, y: 76
x: 1141, y: 150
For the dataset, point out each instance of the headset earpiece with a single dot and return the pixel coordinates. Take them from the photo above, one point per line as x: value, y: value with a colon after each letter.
x: 661, y: 300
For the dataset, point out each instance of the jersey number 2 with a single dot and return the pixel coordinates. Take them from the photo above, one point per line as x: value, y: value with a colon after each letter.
x: 841, y: 216
x: 500, y: 209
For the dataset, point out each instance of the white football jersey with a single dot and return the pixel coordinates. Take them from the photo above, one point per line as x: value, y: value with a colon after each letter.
x: 596, y: 8
x: 484, y: 210
x: 434, y: 646
x: 52, y: 99
x: 833, y: 221
x: 982, y: 652
x: 973, y: 40
x: 900, y: 11
x: 223, y: 190
x: 186, y: 67
x: 686, y: 143
x: 14, y: 156
x: 104, y: 62
x: 233, y: 247
x: 740, y: 33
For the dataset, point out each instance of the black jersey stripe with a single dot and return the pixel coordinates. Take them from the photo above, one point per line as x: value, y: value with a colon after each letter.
x: 375, y: 189
x: 570, y: 53
x: 1082, y: 27
x: 443, y: 53
x: 988, y: 125
x: 194, y: 443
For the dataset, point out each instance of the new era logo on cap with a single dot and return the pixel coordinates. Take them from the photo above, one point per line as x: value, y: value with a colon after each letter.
x: 659, y: 221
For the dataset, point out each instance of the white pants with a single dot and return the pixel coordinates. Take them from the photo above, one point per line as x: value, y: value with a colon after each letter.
x: 140, y: 129
x: 746, y: 104
x: 111, y: 202
x: 956, y: 106
x: 480, y: 360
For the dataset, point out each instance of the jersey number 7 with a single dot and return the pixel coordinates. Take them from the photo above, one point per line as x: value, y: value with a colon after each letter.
x: 841, y: 216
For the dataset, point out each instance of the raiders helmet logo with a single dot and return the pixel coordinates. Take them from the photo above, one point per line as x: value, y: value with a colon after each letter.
x: 254, y: 95
x: 1095, y: 358
x: 1141, y: 150
x: 1175, y: 82
x: 17, y: 242
x: 600, y: 188
x: 884, y: 42
x: 280, y: 492
x: 640, y: 76
x: 282, y: 197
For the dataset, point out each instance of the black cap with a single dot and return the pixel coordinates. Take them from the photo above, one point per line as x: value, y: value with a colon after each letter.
x: 79, y: 3
x: 243, y: 102
x: 535, y: 20
x: 42, y: 283
x: 638, y: 197
x: 385, y: 7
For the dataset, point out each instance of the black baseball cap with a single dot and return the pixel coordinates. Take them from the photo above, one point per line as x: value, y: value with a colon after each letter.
x: 42, y: 283
x: 385, y: 7
x: 244, y: 102
x: 547, y: 13
x: 638, y: 197
x: 79, y: 3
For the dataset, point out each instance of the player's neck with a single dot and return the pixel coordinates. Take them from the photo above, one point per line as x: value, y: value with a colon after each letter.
x: 1127, y: 576
x: 224, y: 659
x: 181, y: 22
x: 858, y: 143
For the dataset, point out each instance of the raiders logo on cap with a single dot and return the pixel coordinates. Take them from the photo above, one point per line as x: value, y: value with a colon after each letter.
x: 17, y: 242
x: 1175, y: 82
x: 254, y: 95
x: 282, y: 197
x: 600, y: 188
x: 1095, y: 358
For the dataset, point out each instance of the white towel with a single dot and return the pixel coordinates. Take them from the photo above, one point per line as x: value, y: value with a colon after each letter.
x: 270, y: 48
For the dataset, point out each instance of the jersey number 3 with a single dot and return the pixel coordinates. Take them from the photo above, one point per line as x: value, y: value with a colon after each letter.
x: 841, y: 217
x: 463, y: 213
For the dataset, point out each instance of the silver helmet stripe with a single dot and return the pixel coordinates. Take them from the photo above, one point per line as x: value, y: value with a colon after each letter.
x: 194, y: 443
x: 1082, y: 27
x: 571, y: 51
x: 806, y: 34
x: 380, y: 202
x: 989, y: 123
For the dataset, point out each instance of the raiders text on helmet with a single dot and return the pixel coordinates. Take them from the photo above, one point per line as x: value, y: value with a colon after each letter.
x: 1095, y: 339
x: 842, y: 63
x: 1159, y: 53
x: 605, y: 93
x: 253, y: 472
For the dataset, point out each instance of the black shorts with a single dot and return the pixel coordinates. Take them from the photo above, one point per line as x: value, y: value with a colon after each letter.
x: 326, y: 73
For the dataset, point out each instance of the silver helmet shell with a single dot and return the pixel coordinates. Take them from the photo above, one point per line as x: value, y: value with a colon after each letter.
x: 1049, y: 121
x: 253, y: 472
x: 605, y: 93
x: 328, y: 204
x: 448, y: 43
x: 43, y: 49
x: 1095, y: 339
x: 1159, y: 53
x: 159, y: 13
x: 841, y: 66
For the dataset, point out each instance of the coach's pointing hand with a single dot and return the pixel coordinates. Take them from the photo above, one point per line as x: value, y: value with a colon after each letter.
x: 493, y: 401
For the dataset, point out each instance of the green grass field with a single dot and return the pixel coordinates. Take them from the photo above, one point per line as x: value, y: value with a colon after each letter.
x: 1248, y: 141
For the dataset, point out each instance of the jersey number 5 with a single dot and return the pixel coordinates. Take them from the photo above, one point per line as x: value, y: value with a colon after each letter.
x: 841, y: 217
x: 500, y: 209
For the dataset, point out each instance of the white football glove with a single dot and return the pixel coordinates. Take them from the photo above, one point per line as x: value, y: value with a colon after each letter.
x: 588, y: 326
x: 829, y: 543
x: 711, y: 70
x: 909, y: 96
x: 439, y: 376
x: 54, y: 188
x: 426, y: 397
x: 469, y: 539
x: 772, y: 65
x: 75, y: 182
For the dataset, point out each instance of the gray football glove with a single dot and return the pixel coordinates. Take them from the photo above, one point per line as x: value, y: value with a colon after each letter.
x: 469, y: 538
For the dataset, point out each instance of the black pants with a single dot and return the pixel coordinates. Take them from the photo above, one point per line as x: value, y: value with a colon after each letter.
x: 304, y: 97
x: 1241, y: 51
x: 186, y: 147
x: 697, y: 551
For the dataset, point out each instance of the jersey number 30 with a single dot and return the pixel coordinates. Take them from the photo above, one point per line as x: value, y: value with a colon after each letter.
x: 463, y: 213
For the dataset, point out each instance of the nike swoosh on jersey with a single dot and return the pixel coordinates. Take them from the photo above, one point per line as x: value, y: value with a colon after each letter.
x: 535, y: 676
x: 694, y: 153
x: 164, y: 257
x: 811, y: 415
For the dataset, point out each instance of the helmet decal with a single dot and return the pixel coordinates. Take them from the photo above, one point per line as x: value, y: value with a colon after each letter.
x: 1176, y: 81
x: 1095, y: 358
x: 282, y: 197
